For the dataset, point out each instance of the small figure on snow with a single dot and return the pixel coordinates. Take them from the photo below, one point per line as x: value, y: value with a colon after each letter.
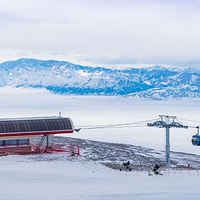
x: 126, y: 165
x: 156, y: 169
x: 72, y: 151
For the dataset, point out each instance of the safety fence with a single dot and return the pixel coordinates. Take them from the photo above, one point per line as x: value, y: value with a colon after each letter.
x: 177, y: 172
x: 72, y: 149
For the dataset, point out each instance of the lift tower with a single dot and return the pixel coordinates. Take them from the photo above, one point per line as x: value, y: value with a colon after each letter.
x: 167, y: 122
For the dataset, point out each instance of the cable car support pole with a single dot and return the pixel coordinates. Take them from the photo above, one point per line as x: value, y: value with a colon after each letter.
x: 167, y: 148
x: 167, y: 122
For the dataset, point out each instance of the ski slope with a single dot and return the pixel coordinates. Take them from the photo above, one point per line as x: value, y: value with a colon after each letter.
x: 59, y: 177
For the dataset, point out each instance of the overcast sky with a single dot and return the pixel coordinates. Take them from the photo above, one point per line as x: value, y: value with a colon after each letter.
x: 102, y: 32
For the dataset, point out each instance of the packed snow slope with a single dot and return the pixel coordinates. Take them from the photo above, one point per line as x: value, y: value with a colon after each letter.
x: 66, y: 78
x: 59, y: 177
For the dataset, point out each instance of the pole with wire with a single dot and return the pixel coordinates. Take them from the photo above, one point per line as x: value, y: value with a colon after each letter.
x: 164, y: 121
x: 167, y: 122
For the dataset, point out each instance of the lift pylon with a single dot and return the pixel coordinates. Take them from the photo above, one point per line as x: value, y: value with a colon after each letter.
x: 167, y: 122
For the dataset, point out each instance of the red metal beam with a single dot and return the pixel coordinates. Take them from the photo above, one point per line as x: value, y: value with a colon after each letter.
x: 34, y: 133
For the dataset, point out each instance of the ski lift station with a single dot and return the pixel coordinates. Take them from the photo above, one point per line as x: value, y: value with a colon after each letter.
x: 15, y: 134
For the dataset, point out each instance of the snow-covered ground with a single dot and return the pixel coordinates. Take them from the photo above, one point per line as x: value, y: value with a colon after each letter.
x: 59, y: 177
x: 140, y: 158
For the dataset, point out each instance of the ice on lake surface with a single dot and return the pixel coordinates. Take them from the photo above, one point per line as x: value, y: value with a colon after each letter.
x: 101, y: 110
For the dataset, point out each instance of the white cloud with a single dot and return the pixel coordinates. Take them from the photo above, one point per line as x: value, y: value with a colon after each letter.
x: 101, y: 32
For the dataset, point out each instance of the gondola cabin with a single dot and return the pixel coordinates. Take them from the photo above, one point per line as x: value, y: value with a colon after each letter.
x: 196, y: 140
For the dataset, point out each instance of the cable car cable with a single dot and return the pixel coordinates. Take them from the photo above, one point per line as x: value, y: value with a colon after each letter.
x: 109, y: 125
x: 189, y: 120
x: 131, y: 124
x: 92, y: 128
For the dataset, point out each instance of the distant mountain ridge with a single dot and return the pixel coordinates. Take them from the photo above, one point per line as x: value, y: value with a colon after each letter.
x: 62, y: 77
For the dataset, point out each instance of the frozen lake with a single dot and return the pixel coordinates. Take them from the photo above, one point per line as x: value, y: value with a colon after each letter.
x: 92, y: 110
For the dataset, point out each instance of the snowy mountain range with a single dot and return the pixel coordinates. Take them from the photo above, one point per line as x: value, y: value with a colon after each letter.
x: 66, y: 78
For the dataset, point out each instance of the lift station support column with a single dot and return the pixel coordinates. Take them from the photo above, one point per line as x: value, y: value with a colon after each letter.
x: 48, y: 141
